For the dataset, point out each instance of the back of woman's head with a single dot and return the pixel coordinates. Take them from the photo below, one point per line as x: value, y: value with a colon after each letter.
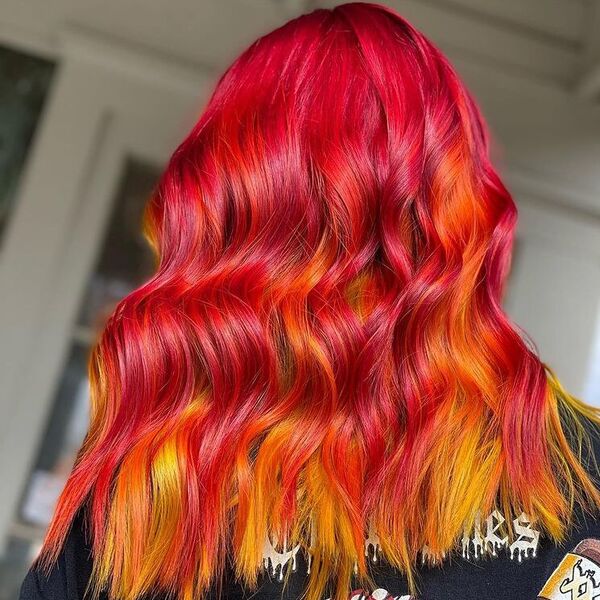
x: 322, y: 352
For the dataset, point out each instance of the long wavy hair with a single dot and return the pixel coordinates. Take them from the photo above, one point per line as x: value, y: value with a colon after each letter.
x: 322, y: 351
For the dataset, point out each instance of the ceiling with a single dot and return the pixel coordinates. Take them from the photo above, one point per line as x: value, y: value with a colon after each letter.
x: 557, y: 41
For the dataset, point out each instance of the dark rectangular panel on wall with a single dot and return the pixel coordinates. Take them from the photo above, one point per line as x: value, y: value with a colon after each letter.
x: 24, y: 84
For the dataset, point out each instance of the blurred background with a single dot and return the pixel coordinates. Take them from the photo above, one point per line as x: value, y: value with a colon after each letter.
x: 94, y: 96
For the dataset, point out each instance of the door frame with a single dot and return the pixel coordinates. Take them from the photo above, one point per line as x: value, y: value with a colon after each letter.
x: 100, y: 112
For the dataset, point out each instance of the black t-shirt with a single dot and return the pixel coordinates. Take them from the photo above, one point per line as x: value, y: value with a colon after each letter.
x: 491, y: 564
x: 485, y: 577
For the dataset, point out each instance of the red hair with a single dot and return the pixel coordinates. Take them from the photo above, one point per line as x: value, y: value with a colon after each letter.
x: 322, y: 350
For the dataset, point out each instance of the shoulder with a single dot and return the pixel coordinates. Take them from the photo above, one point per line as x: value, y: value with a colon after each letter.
x: 591, y: 454
x: 68, y: 577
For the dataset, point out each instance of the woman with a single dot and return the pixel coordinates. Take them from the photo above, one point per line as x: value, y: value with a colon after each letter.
x: 319, y: 391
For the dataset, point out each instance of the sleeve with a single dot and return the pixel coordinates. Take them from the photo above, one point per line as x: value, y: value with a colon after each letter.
x: 69, y: 576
